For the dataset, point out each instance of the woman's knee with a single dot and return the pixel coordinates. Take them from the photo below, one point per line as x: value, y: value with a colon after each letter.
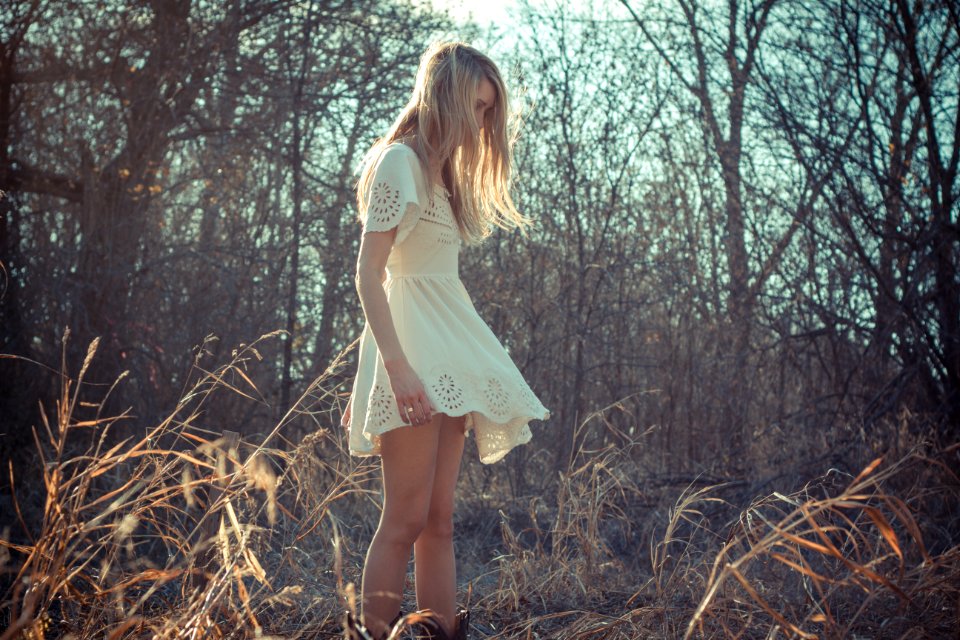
x: 439, y: 525
x: 404, y: 527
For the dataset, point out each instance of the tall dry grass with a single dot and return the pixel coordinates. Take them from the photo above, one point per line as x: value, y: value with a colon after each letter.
x: 182, y: 532
x: 840, y: 558
x: 191, y: 532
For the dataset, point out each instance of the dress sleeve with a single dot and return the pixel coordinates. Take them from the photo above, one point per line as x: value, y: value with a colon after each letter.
x: 393, y: 200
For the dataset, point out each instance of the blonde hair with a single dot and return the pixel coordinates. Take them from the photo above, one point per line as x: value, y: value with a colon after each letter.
x: 474, y: 164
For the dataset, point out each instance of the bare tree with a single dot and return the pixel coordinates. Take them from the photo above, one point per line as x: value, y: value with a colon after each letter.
x: 713, y: 52
x: 187, y: 170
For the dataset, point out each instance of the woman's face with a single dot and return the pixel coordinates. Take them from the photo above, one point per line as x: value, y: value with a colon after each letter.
x: 486, y: 96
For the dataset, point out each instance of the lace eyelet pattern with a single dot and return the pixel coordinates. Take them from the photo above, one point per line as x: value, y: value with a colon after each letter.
x: 496, y: 396
x: 526, y: 395
x: 381, y: 407
x: 502, y: 399
x: 447, y: 390
x: 439, y: 213
x: 384, y: 205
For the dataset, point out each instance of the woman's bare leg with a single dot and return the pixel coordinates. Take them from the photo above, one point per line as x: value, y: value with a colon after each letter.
x: 408, y: 455
x: 436, y: 570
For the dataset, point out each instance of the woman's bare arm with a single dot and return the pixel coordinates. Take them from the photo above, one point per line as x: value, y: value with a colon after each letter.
x: 406, y: 385
x: 348, y: 410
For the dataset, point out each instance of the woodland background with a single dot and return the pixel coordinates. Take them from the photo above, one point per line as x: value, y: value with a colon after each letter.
x: 743, y: 281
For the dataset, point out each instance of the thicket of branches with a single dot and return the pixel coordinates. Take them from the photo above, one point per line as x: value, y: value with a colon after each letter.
x: 746, y: 253
x: 747, y: 219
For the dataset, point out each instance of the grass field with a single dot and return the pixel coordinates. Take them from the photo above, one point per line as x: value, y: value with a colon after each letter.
x: 186, y: 532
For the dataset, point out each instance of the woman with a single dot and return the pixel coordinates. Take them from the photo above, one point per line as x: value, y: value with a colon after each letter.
x: 429, y: 369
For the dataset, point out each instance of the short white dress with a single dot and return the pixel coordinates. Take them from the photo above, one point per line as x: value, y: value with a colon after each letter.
x: 464, y: 368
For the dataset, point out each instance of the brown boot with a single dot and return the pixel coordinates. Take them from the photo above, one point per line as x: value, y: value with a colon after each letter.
x: 463, y: 624
x: 353, y: 629
x: 433, y: 631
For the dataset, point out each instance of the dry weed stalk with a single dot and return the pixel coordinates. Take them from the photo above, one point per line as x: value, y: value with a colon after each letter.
x: 828, y: 549
x: 666, y: 568
x: 110, y: 512
x: 571, y: 562
x: 823, y: 562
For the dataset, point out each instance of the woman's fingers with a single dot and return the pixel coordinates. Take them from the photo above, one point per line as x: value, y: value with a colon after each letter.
x: 415, y: 409
x: 422, y: 410
x: 404, y: 407
x: 426, y: 406
x: 412, y: 402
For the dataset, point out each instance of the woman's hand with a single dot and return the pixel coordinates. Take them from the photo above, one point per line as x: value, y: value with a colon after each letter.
x: 407, y: 388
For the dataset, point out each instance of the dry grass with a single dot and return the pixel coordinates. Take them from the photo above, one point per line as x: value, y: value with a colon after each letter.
x: 187, y: 532
x: 175, y: 540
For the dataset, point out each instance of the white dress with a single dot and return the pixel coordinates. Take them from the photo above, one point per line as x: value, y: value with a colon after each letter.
x: 464, y: 368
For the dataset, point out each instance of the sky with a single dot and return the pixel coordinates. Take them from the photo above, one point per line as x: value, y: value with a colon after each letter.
x: 500, y: 19
x: 501, y: 13
x: 485, y: 12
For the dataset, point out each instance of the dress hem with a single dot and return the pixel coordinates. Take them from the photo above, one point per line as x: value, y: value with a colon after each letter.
x: 522, y: 432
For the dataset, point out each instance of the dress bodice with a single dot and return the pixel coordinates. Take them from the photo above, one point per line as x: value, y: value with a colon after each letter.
x: 432, y: 246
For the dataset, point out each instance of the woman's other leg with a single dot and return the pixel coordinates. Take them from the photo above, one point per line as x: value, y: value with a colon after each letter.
x: 408, y: 455
x: 436, y: 570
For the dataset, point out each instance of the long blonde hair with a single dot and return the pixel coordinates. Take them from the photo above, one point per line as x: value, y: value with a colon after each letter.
x: 439, y: 118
